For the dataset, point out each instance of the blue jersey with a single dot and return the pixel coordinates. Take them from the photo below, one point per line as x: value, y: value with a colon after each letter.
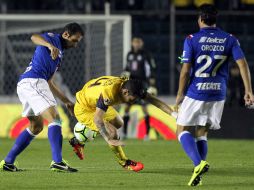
x: 42, y: 65
x: 208, y: 52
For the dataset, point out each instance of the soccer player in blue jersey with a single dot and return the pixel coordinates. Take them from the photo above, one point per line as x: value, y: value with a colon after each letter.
x: 203, y: 84
x: 35, y: 89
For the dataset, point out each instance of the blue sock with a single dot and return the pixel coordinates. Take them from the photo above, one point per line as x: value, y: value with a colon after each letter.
x: 55, y: 139
x: 190, y: 147
x: 202, y: 146
x: 21, y: 143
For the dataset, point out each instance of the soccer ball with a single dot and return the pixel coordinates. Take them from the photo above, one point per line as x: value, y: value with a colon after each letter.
x: 83, y: 133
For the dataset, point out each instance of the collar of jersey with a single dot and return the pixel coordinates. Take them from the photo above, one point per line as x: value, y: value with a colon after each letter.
x: 209, y: 28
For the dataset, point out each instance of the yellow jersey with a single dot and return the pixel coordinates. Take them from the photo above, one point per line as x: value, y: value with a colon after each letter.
x: 105, y: 87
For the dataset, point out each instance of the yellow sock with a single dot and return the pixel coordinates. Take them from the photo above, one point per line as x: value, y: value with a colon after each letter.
x: 121, y: 157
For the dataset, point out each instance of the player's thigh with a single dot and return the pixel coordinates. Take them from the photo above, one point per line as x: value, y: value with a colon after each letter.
x: 85, y: 116
x: 51, y: 114
x: 114, y: 118
x: 117, y: 122
x: 201, y: 130
x: 35, y: 96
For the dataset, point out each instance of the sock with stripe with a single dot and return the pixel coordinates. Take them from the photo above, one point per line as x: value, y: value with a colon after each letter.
x: 189, y: 145
x: 120, y: 155
x: 202, y: 146
x: 21, y: 143
x: 55, y: 138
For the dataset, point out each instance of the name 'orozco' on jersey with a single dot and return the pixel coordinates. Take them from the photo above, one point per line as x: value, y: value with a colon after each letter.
x: 42, y: 65
x: 208, y: 51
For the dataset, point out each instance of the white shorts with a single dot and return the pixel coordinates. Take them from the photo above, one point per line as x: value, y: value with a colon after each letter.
x: 194, y: 112
x: 35, y: 96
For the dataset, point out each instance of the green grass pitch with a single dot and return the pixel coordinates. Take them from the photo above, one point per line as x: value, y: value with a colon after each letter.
x: 166, y: 167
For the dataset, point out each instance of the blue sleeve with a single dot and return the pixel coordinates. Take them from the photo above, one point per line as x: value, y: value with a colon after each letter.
x: 51, y: 38
x: 100, y: 104
x: 237, y: 52
x: 46, y: 37
x: 187, y: 51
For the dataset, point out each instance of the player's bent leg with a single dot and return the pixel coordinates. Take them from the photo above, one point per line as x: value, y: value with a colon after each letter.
x: 21, y: 143
x: 201, y: 141
x: 120, y: 155
x: 188, y: 144
x: 83, y: 133
x: 36, y: 124
x: 124, y: 161
x: 199, y: 170
x: 55, y: 138
x: 117, y: 122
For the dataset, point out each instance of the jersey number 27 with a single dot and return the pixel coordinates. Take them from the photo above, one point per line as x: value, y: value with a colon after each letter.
x: 200, y: 72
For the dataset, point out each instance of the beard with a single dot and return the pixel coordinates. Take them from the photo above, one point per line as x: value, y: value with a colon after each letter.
x: 65, y: 43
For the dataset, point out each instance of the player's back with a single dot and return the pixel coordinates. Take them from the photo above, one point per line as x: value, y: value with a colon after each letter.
x: 106, y: 86
x: 209, y: 51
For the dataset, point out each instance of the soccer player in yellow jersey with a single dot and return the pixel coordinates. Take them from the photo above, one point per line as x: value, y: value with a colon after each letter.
x: 94, y: 109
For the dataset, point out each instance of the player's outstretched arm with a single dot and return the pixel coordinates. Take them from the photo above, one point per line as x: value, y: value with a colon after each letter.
x: 58, y: 93
x: 245, y: 73
x: 39, y: 40
x: 98, y: 120
x: 159, y: 104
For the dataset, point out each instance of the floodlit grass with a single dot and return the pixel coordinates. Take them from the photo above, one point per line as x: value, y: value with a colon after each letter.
x: 166, y: 167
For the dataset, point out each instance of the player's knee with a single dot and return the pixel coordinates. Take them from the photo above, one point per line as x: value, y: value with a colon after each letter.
x: 181, y: 129
x: 36, y: 127
x: 120, y: 123
x: 53, y: 118
x: 36, y: 124
x: 115, y: 135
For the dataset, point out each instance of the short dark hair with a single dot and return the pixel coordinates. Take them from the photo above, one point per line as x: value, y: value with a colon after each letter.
x: 73, y: 28
x: 208, y: 14
x: 135, y: 88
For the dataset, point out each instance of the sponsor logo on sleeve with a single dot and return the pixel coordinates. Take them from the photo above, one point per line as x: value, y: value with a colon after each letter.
x: 51, y: 34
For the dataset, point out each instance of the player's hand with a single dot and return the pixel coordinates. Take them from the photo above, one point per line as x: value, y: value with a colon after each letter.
x: 152, y: 90
x: 70, y: 107
x: 174, y: 114
x: 249, y: 99
x: 54, y: 52
x: 125, y: 74
x: 114, y: 142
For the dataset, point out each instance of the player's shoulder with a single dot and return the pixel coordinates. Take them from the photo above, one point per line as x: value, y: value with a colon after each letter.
x: 191, y: 37
x: 52, y: 36
x: 231, y: 38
